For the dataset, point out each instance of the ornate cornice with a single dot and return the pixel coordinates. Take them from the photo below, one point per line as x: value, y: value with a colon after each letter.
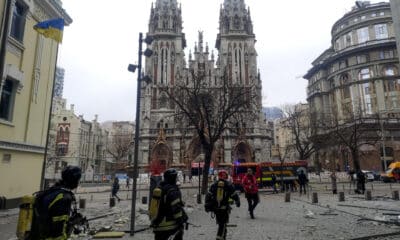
x: 47, y: 9
x: 21, y: 147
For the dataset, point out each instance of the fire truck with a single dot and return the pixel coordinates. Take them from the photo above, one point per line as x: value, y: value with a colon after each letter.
x: 286, y: 172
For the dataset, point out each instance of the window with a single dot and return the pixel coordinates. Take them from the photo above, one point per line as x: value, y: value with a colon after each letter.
x: 364, y: 74
x: 363, y: 17
x: 368, y: 105
x: 366, y: 88
x: 62, y: 149
x: 18, y: 22
x: 344, y: 79
x: 386, y: 54
x: 363, y: 35
x: 7, y: 100
x: 6, y: 158
x: 394, y: 102
x: 362, y: 59
x: 391, y: 85
x: 382, y: 14
x: 349, y: 40
x: 373, y: 15
x: 381, y: 31
x: 389, y: 71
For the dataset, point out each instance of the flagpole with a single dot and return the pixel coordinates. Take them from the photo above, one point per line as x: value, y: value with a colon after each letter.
x: 42, y: 180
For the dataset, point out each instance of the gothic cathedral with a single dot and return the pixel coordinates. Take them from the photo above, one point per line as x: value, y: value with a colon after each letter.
x: 161, y: 141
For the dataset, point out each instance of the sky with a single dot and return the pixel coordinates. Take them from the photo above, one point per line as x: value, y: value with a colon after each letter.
x: 103, y: 39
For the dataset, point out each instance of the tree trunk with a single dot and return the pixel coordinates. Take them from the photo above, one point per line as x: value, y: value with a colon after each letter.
x: 206, y: 168
x: 356, y: 161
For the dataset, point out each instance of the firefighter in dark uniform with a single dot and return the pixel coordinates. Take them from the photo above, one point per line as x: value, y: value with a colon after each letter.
x: 223, y: 192
x: 171, y: 217
x: 56, y: 213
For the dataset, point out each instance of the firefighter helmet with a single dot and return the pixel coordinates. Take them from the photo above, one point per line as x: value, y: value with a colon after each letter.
x: 71, y: 176
x: 170, y: 175
x: 222, y: 174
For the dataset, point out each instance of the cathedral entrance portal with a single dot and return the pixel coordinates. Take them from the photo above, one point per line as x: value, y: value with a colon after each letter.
x: 161, y: 155
x: 242, y: 153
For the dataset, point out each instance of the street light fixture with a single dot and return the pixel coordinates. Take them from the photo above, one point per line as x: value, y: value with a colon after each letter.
x: 132, y: 68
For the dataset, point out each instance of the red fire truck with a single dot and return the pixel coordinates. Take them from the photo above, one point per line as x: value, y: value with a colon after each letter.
x: 264, y: 170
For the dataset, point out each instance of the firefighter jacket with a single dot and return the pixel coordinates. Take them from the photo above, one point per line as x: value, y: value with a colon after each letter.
x: 56, y: 207
x: 228, y: 193
x: 171, y: 215
x: 249, y: 183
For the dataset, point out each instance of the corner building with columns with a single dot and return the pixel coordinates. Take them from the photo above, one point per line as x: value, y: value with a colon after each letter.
x: 161, y: 140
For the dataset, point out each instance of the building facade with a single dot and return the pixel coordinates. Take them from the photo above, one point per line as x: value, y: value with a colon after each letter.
x: 359, y: 75
x: 27, y: 65
x: 160, y: 137
x: 75, y: 141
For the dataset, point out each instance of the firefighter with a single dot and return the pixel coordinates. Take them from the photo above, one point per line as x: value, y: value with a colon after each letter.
x: 56, y: 208
x: 170, y: 217
x: 222, y: 192
x: 249, y: 183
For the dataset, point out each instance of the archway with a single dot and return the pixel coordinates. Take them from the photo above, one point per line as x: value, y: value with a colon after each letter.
x: 242, y: 153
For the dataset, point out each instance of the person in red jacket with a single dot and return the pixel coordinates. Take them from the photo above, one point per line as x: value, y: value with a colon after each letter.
x: 249, y: 183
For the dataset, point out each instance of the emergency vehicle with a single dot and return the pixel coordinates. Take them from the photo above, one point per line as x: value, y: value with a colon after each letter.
x: 263, y: 172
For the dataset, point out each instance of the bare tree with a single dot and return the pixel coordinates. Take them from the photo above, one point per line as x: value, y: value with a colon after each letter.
x: 283, y: 153
x: 353, y: 129
x: 119, y: 147
x: 211, y: 110
x: 299, y: 123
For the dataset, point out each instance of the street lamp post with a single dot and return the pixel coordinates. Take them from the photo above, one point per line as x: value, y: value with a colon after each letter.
x: 383, y: 144
x: 140, y: 78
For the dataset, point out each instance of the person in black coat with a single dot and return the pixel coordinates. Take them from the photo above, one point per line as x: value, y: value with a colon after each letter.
x: 115, y: 189
x: 302, y: 178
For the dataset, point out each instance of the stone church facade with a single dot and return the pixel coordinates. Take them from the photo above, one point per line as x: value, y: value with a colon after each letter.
x: 160, y: 139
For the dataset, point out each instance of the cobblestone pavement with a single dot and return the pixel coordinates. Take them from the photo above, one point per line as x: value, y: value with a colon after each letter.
x: 275, y: 219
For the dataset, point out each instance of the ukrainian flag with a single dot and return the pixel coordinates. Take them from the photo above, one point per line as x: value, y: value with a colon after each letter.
x: 51, y: 28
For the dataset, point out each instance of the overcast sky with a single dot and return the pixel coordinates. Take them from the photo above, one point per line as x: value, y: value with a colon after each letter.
x: 103, y: 39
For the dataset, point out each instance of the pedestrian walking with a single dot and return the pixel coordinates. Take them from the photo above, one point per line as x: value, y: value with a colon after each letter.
x: 169, y: 215
x: 115, y: 189
x: 250, y: 186
x: 334, y: 182
x: 128, y: 182
x: 55, y: 211
x: 302, y: 178
x: 273, y: 182
x: 360, y: 182
x: 218, y: 202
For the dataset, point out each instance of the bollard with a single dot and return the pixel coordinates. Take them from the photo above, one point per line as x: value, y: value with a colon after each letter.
x: 287, y: 197
x: 112, y: 202
x: 341, y: 196
x: 91, y: 197
x: 314, y: 197
x: 127, y: 196
x: 144, y: 200
x: 82, y: 203
x: 198, y: 198
x: 343, y: 187
x: 372, y: 186
x: 395, y: 195
x: 326, y: 188
x: 368, y: 195
x: 390, y: 187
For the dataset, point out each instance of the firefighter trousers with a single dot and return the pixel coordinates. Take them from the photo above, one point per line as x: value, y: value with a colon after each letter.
x: 222, y: 217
